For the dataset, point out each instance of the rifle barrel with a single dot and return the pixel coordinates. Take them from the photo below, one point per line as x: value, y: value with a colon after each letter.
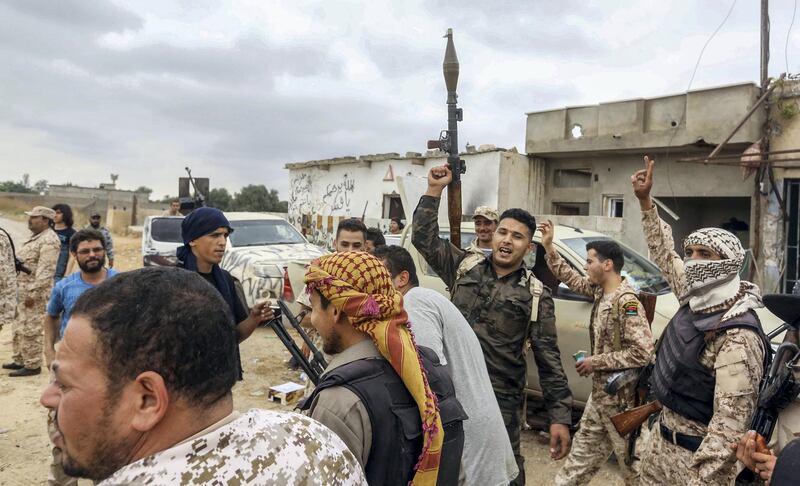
x: 318, y: 357
x: 290, y: 345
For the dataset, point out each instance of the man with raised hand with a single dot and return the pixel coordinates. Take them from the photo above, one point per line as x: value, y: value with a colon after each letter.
x: 620, y: 339
x: 507, y: 307
x: 710, y: 357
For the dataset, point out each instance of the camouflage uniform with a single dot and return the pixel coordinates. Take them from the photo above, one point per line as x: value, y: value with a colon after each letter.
x: 8, y: 282
x: 499, y: 310
x: 735, y: 356
x: 40, y: 254
x: 620, y: 314
x: 259, y: 447
x: 474, y: 248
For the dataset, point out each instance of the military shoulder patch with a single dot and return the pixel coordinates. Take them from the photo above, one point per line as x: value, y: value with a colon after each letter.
x: 631, y: 307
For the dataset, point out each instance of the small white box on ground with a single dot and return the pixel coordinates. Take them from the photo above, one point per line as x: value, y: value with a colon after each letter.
x: 286, y: 393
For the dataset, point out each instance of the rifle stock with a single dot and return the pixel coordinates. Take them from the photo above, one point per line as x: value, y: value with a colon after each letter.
x: 627, y: 421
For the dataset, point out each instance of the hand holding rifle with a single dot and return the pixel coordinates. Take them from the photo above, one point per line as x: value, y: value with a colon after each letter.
x: 438, y: 178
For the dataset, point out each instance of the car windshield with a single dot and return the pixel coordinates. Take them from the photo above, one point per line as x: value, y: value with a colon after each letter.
x: 167, y: 230
x: 638, y: 270
x: 264, y: 232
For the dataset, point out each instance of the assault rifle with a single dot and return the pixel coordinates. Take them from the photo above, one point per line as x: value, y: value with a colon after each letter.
x: 19, y: 265
x: 779, y: 387
x: 313, y: 368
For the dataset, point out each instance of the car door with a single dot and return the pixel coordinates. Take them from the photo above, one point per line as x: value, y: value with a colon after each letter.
x: 572, y: 324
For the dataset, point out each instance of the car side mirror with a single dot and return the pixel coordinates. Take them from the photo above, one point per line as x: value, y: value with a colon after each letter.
x: 566, y: 293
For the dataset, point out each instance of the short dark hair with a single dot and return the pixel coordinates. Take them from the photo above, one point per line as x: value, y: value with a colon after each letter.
x: 399, y: 222
x: 522, y: 216
x: 608, y: 249
x: 66, y: 211
x: 398, y: 259
x: 86, y: 234
x: 352, y: 224
x: 167, y: 320
x: 376, y: 237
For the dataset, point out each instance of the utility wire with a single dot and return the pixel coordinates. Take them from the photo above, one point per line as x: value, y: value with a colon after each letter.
x: 788, y: 34
x: 689, y: 86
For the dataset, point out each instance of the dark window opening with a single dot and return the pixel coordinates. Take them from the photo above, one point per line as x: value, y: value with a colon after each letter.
x: 571, y: 208
x: 572, y: 178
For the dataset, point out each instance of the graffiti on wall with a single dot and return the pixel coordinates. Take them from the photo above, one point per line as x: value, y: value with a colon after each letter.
x: 337, y: 195
x: 300, y: 193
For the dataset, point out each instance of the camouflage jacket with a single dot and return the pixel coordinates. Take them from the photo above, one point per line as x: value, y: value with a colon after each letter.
x: 259, y: 447
x: 734, y: 356
x: 40, y: 254
x: 499, y: 310
x: 8, y: 282
x: 619, y: 313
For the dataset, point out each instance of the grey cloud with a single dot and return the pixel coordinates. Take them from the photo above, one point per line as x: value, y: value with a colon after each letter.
x: 98, y: 15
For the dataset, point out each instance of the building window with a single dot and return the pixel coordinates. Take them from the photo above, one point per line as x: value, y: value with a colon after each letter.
x: 393, y: 207
x: 571, y: 209
x: 573, y: 178
x: 613, y: 206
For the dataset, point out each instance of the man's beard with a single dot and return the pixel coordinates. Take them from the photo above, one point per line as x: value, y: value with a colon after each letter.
x: 84, y: 266
x: 333, y: 344
x: 95, y: 224
x: 106, y: 458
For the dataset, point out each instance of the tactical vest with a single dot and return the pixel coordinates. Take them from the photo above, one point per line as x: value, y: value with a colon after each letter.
x: 535, y: 285
x: 395, y: 419
x: 680, y: 382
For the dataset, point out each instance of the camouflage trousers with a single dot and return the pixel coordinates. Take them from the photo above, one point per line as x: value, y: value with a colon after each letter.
x: 28, y: 335
x: 594, y: 441
x: 511, y: 410
x: 56, y: 475
x: 664, y: 462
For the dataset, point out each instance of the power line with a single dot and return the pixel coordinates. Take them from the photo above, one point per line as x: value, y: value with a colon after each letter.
x: 788, y: 34
x: 691, y: 80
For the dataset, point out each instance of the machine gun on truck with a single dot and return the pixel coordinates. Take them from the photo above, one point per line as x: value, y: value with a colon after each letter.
x: 192, y: 192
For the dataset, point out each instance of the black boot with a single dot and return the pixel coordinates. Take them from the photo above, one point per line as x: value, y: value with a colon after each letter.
x: 26, y: 372
x: 12, y: 366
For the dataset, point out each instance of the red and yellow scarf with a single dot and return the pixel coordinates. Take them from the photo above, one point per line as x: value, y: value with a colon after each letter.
x: 360, y: 286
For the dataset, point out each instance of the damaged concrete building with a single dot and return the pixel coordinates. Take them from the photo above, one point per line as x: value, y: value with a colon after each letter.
x: 577, y: 172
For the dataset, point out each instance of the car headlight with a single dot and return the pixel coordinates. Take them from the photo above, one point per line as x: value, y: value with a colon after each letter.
x: 267, y: 270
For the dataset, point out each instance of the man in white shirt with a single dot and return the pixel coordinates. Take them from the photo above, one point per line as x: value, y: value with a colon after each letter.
x: 437, y: 324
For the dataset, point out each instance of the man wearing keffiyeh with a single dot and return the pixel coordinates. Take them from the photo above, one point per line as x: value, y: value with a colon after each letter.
x: 380, y: 391
x: 710, y: 357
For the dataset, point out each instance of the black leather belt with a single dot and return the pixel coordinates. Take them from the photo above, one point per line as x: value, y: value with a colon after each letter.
x: 688, y: 442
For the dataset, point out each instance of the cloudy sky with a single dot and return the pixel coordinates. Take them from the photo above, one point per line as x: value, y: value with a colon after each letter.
x: 237, y: 88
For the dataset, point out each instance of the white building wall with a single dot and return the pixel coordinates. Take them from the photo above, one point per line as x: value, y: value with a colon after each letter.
x: 320, y: 194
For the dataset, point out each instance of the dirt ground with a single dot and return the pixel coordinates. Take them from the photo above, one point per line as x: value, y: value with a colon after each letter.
x: 25, y: 447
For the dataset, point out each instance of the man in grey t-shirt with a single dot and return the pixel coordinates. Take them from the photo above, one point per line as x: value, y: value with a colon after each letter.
x: 437, y: 324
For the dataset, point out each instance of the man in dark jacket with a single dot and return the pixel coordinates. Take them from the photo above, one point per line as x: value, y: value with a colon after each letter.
x: 205, y: 233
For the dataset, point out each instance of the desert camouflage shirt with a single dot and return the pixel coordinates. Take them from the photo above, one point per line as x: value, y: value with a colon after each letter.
x: 8, y: 282
x: 499, y: 310
x: 259, y: 447
x: 621, y: 311
x: 40, y: 254
x: 734, y: 356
